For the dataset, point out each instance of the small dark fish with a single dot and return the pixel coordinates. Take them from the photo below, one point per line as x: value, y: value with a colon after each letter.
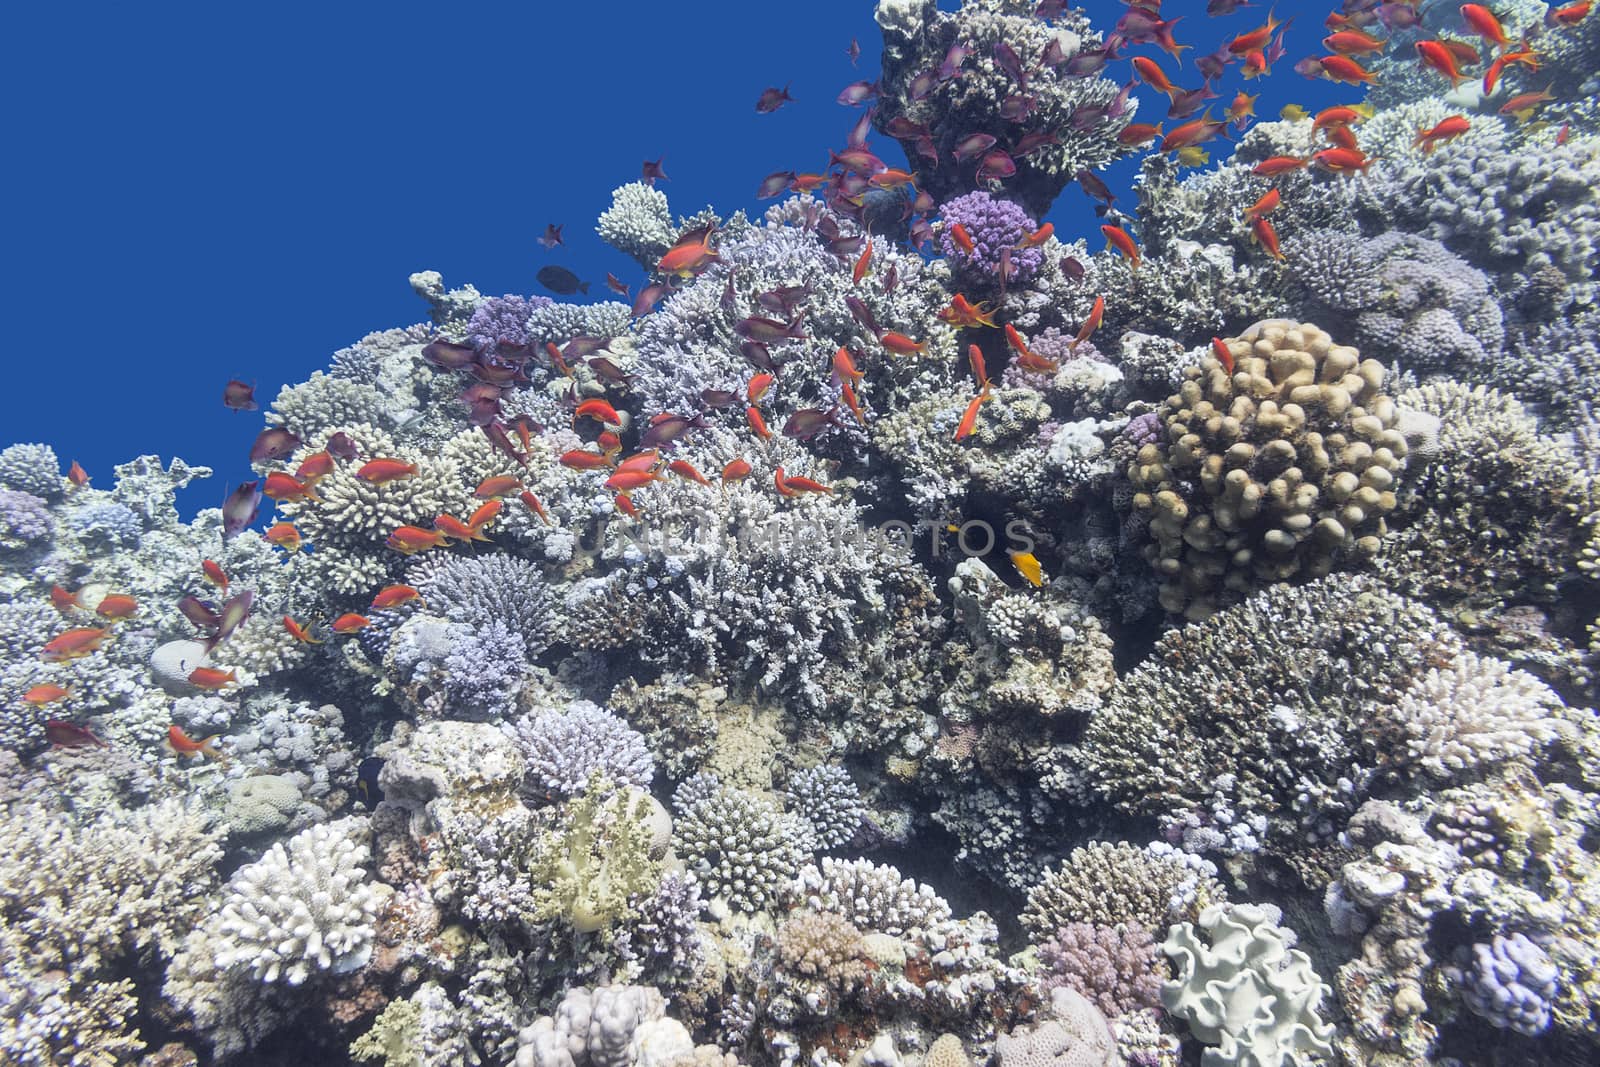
x: 769, y: 331
x: 1138, y: 25
x: 1096, y: 188
x: 343, y: 446
x: 273, y: 443
x: 1189, y: 101
x: 1053, y: 55
x: 857, y: 93
x: 728, y: 298
x: 367, y: 782
x: 239, y: 396
x: 1119, y: 103
x: 904, y: 129
x: 718, y: 398
x: 651, y: 170
x: 1018, y: 106
x: 609, y: 371
x: 921, y: 232
x: 857, y: 137
x: 446, y: 355
x: 198, y: 612
x: 1010, y: 62
x: 774, y: 184
x: 862, y: 314
x: 950, y: 68
x: 973, y: 145
x: 995, y: 166
x: 551, y: 236
x: 860, y: 160
x: 784, y: 299
x: 618, y: 286
x: 1072, y: 268
x: 235, y: 610
x: 1309, y: 67
x: 63, y: 734
x: 851, y: 184
x: 1005, y: 269
x: 846, y: 247
x: 922, y: 85
x: 1088, y: 117
x: 525, y: 425
x: 1214, y: 64
x: 1087, y: 64
x: 1032, y: 142
x: 854, y: 51
x: 827, y: 229
x: 891, y: 279
x: 757, y: 355
x: 495, y: 431
x: 561, y: 281
x: 1049, y: 9
x: 1398, y: 16
x: 1216, y: 8
x: 923, y: 203
x: 772, y: 99
x: 806, y: 423
x: 648, y: 298
x: 666, y: 430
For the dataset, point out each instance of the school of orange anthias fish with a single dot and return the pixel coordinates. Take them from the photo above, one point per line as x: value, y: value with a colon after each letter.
x: 896, y: 635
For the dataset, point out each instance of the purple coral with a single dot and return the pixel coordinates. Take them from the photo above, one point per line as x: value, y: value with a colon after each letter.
x: 503, y: 318
x: 483, y: 671
x: 564, y: 748
x: 1113, y: 966
x: 994, y: 225
x: 1510, y: 982
x: 24, y: 519
x: 1143, y: 429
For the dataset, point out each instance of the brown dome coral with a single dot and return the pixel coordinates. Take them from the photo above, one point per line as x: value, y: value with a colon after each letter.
x: 1272, y: 472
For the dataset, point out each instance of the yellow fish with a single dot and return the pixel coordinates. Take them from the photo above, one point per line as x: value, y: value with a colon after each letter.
x: 1193, y: 156
x: 1027, y: 565
x: 1294, y: 113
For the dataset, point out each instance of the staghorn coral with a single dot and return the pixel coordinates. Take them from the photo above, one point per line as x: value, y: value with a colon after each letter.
x: 638, y: 223
x: 565, y: 748
x: 1107, y: 883
x: 828, y: 801
x: 1281, y: 469
x: 1555, y: 370
x: 1474, y: 713
x: 479, y: 590
x: 738, y: 846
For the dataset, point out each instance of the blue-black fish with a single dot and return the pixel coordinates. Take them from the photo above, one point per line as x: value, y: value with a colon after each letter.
x: 561, y: 281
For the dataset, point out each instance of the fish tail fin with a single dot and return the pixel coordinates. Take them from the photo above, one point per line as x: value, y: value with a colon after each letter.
x: 583, y: 287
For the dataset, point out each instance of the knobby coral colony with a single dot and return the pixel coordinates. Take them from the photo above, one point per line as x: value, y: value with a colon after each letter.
x: 1214, y: 617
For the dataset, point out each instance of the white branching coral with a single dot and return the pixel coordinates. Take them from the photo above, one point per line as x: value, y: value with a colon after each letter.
x: 638, y: 222
x: 302, y: 909
x: 1474, y: 712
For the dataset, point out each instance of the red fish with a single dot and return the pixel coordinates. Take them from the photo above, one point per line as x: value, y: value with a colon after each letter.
x: 626, y: 481
x: 1151, y: 74
x: 1447, y: 130
x: 314, y: 467
x: 980, y: 369
x: 482, y: 516
x: 788, y: 486
x: 551, y: 236
x: 392, y: 596
x: 1090, y: 325
x: 962, y: 239
x: 47, y: 693
x: 1434, y: 54
x: 863, y: 261
x: 1353, y: 43
x: 63, y: 601
x: 757, y: 387
x: 1337, y: 115
x: 1523, y: 105
x: 737, y: 470
x: 1138, y: 134
x: 1035, y: 239
x: 74, y: 644
x: 77, y: 475
x: 618, y: 286
x: 409, y: 540
x: 1262, y: 230
x: 1342, y: 160
x: 1266, y: 205
x: 349, y: 623
x: 752, y: 415
x: 497, y: 486
x: 63, y: 734
x: 117, y: 607
x: 597, y: 409
x: 299, y: 632
x: 624, y: 503
x: 686, y: 259
x: 963, y: 314
x: 1526, y: 58
x: 1485, y: 25
x: 212, y: 678
x: 1275, y: 165
x: 969, y: 418
x: 1119, y: 239
x: 281, y: 487
x: 1570, y: 15
x: 844, y: 366
x: 1192, y: 133
x: 239, y: 396
x: 184, y: 746
x: 901, y: 345
x: 533, y: 505
x: 1255, y: 40
x: 848, y: 393
x: 214, y: 574
x: 581, y: 459
x: 1224, y: 354
x: 686, y: 470
x: 1346, y: 70
x: 455, y: 529
x: 383, y: 471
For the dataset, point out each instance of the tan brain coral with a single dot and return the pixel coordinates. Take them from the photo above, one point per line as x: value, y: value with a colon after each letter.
x: 1273, y: 472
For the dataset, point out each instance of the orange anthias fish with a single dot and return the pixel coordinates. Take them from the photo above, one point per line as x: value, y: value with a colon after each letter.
x: 625, y: 482
x: 456, y: 530
x: 794, y: 486
x: 963, y: 240
x: 185, y: 746
x: 1447, y: 130
x: 1255, y: 40
x: 1119, y: 239
x: 1151, y: 74
x: 349, y: 623
x: 684, y: 469
x: 314, y: 467
x: 392, y: 596
x: 963, y: 314
x: 597, y: 409
x: 1485, y: 25
x: 752, y: 415
x: 74, y: 644
x: 383, y: 471
x: 1266, y: 236
x: 737, y: 470
x: 844, y: 366
x: 757, y: 386
x: 581, y: 459
x: 1570, y: 15
x: 499, y: 485
x: 1434, y: 54
x: 482, y: 516
x: 284, y: 536
x: 1036, y: 238
x: 1346, y: 70
x: 211, y: 678
x: 689, y: 256
x: 532, y: 503
x: 901, y: 345
x: 1342, y: 160
x: 1353, y: 43
x: 1195, y: 132
x: 1343, y: 137
x: 408, y: 540
x: 1524, y: 105
x: 1338, y: 115
x: 1224, y: 354
x: 863, y: 261
x: 980, y: 369
x: 117, y: 607
x: 1137, y: 134
x: 63, y: 601
x: 1276, y: 165
x: 214, y: 574
x: 1526, y: 58
x: 1243, y: 106
x: 47, y: 693
x: 281, y: 486
x: 1090, y: 324
x: 1265, y: 206
x: 77, y: 475
x: 969, y: 418
x: 298, y: 632
x: 851, y: 401
x: 624, y: 503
